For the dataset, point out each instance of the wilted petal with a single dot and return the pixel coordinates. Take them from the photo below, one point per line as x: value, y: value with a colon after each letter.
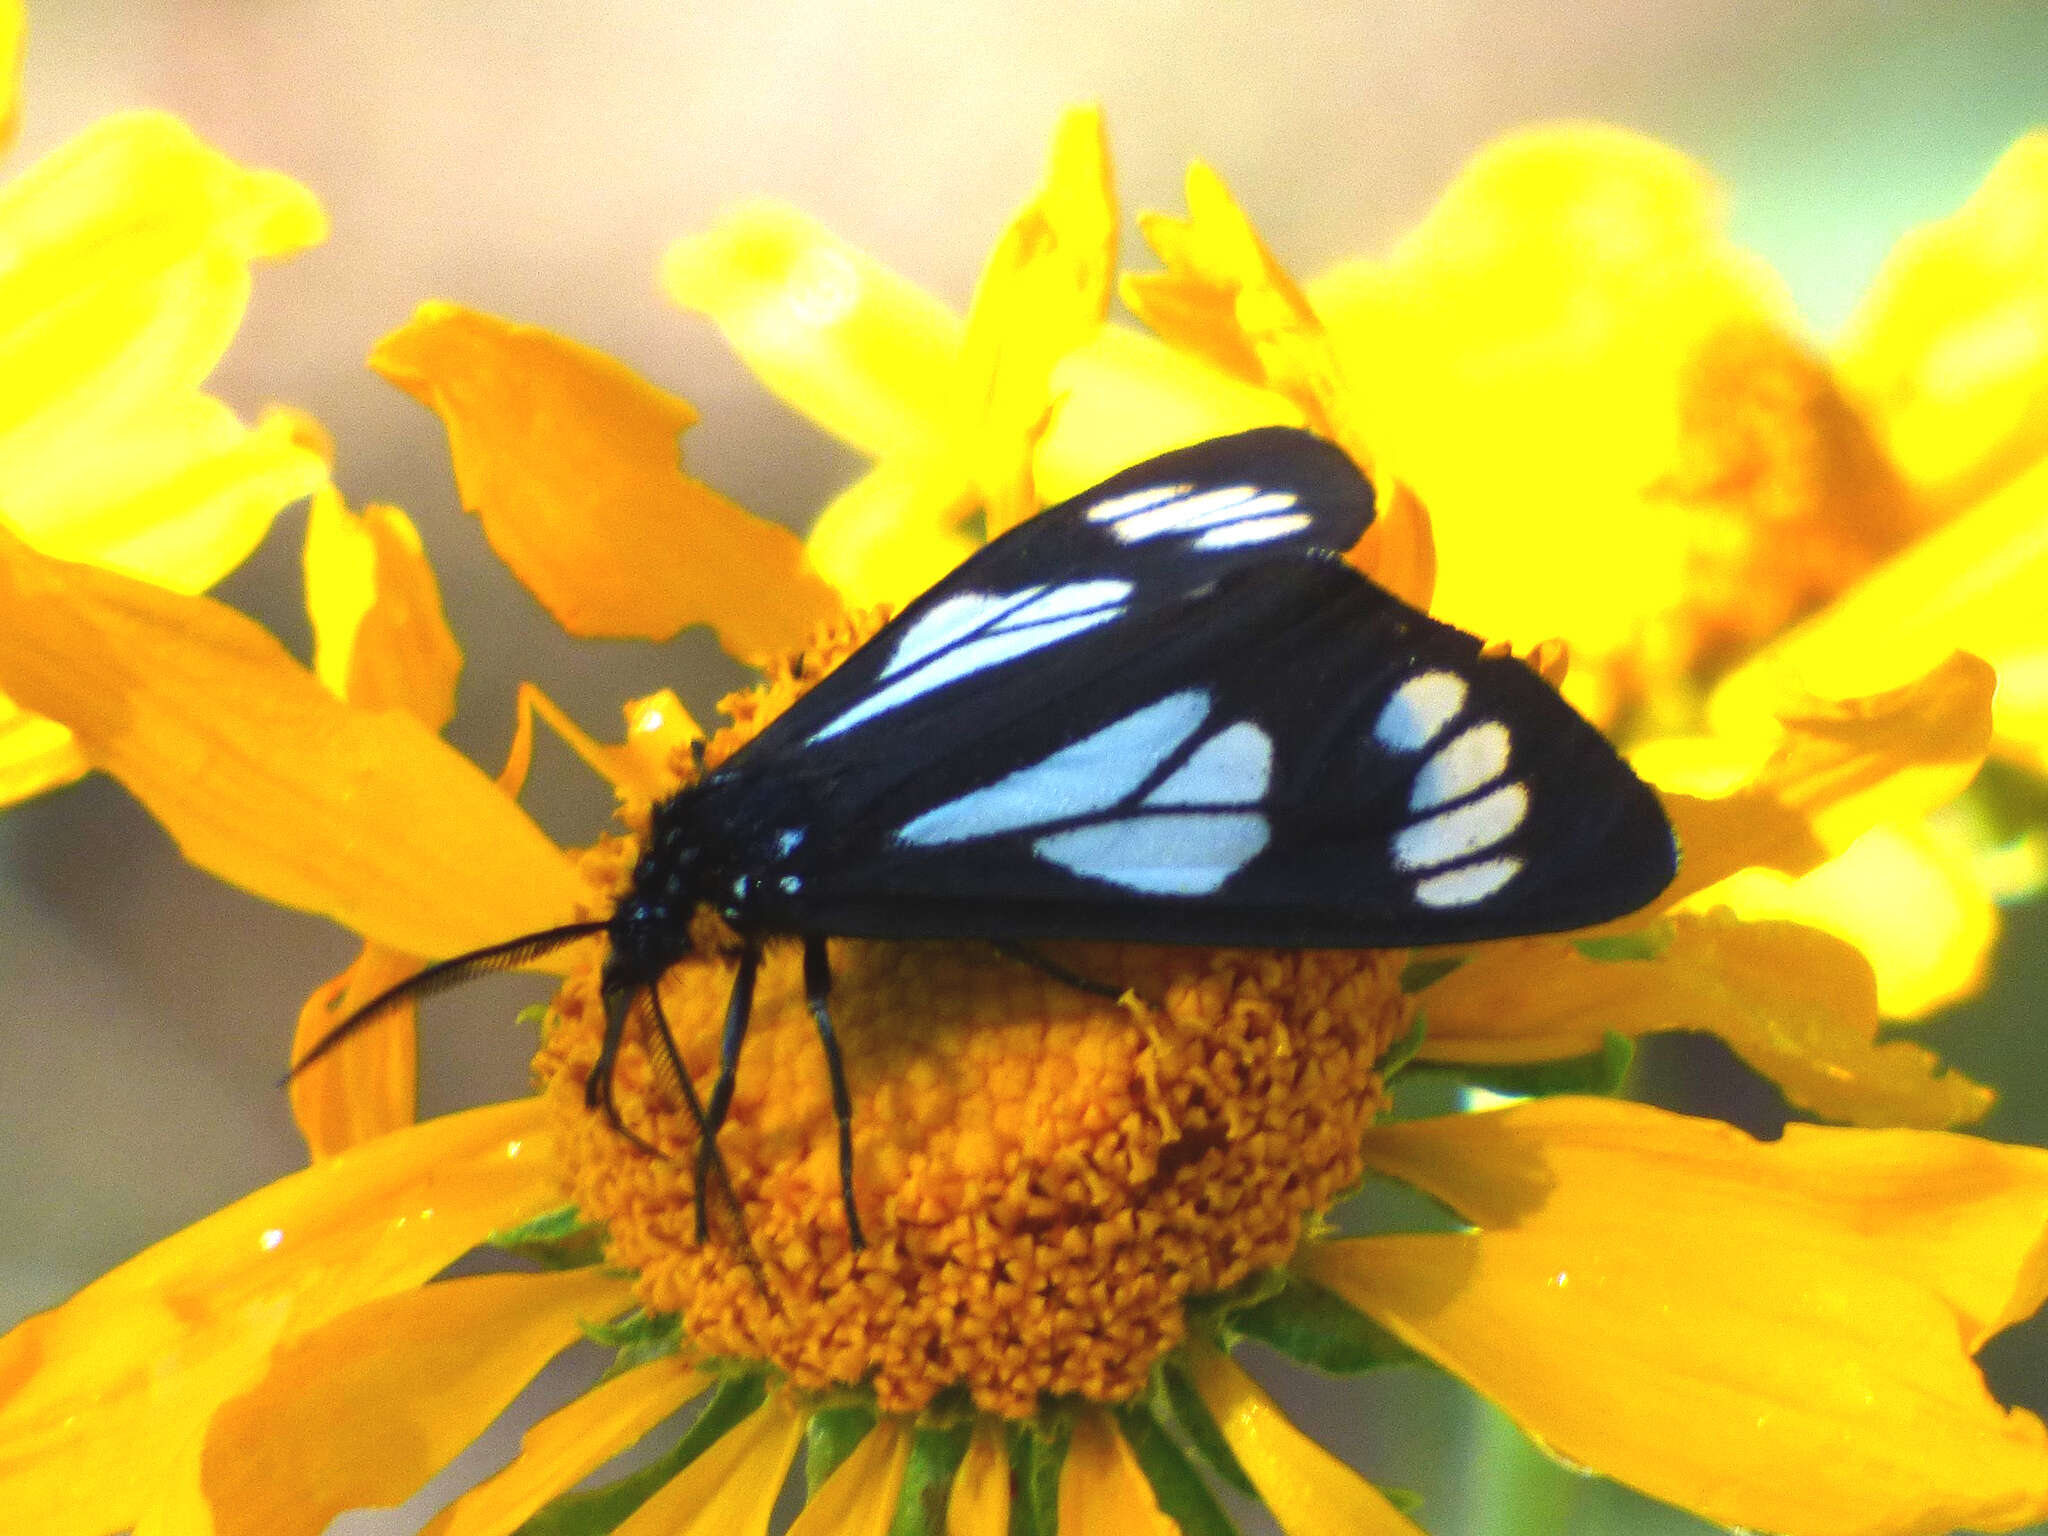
x: 262, y: 776
x: 1797, y: 1004
x: 569, y: 1444
x: 731, y: 1489
x: 1309, y: 1491
x: 657, y: 727
x: 1102, y: 1487
x: 859, y: 1498
x: 1949, y: 350
x: 100, y: 1396
x: 869, y: 356
x: 369, y: 1084
x: 1043, y: 293
x: 1776, y: 1336
x: 570, y: 459
x: 364, y: 1409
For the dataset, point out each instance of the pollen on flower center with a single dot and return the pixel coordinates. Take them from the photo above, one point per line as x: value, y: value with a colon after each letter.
x: 1044, y: 1176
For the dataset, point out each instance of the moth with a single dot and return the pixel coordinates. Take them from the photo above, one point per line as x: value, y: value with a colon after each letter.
x: 1165, y: 711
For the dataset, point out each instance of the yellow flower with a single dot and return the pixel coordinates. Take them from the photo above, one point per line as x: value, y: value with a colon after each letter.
x: 1077, y: 1209
x: 124, y: 270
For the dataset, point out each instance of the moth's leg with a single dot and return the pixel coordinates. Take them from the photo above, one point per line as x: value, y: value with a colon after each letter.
x: 1024, y: 954
x: 818, y: 991
x: 739, y: 1008
x: 671, y: 1061
x: 597, y: 1088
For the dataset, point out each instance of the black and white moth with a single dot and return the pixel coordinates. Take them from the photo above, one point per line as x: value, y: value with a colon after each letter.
x: 1164, y: 711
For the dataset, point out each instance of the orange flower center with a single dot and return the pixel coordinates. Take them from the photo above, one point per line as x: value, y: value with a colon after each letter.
x: 1043, y: 1176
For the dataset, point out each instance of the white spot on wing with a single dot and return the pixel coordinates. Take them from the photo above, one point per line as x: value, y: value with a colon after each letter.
x: 1189, y: 854
x: 1074, y: 597
x: 1254, y: 530
x: 1233, y: 767
x: 1227, y: 504
x: 1462, y: 887
x: 1134, y: 501
x: 1451, y: 835
x: 1418, y: 710
x: 953, y: 619
x: 1091, y: 775
x: 1469, y: 759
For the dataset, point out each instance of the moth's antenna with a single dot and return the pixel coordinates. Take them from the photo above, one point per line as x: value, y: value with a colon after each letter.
x: 442, y: 975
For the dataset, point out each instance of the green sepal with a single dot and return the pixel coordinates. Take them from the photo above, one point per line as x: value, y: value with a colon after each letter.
x: 829, y: 1438
x: 534, y: 1016
x: 1201, y: 1427
x: 1602, y: 1072
x: 935, y: 1455
x: 1315, y: 1326
x: 1647, y: 943
x: 1037, y: 1455
x: 1403, y: 1050
x: 1405, y: 1500
x: 602, y: 1510
x: 637, y: 1338
x: 1181, y: 1492
x: 1418, y: 974
x: 560, y: 1239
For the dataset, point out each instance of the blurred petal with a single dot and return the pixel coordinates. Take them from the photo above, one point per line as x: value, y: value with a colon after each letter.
x: 657, y: 728
x: 128, y: 272
x: 1911, y: 902
x: 98, y: 1397
x: 262, y: 776
x: 1102, y: 1487
x: 364, y: 1409
x: 893, y: 532
x: 1043, y: 293
x: 1309, y: 1491
x: 367, y: 1085
x: 867, y: 355
x: 570, y: 460
x: 731, y: 1489
x: 11, y: 26
x: 1776, y: 1336
x: 1949, y: 350
x: 1975, y: 585
x: 379, y: 637
x: 859, y: 1498
x: 571, y: 1443
x: 35, y: 754
x: 1797, y: 1004
x: 979, y: 1504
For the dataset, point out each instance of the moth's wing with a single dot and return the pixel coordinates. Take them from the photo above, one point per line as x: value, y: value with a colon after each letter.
x: 1288, y: 755
x: 1003, y: 624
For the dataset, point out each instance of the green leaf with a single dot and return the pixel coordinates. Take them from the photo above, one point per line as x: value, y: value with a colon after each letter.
x: 1202, y: 1429
x: 935, y: 1455
x: 830, y: 1438
x: 1601, y: 1072
x: 602, y: 1510
x: 1647, y: 943
x: 1317, y: 1327
x: 1403, y: 1050
x: 560, y: 1239
x: 1036, y: 1458
x: 1175, y: 1483
x: 638, y: 1337
x: 1418, y: 974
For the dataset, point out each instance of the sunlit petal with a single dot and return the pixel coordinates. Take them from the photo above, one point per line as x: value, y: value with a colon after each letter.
x: 894, y: 531
x: 11, y: 23
x: 99, y: 1396
x: 731, y: 1489
x: 369, y: 1084
x: 1775, y: 1335
x: 262, y: 776
x: 859, y: 1498
x: 1102, y: 1487
x: 1309, y: 1491
x: 869, y: 356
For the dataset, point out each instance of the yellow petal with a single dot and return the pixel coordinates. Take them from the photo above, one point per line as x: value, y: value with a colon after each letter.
x: 1043, y: 293
x: 95, y: 1393
x: 569, y: 1444
x: 1309, y: 1491
x: 1797, y: 1004
x: 128, y: 272
x: 379, y: 637
x: 867, y: 355
x: 657, y: 727
x: 1102, y: 1487
x: 11, y: 27
x: 894, y: 531
x: 859, y: 1498
x: 1774, y: 1335
x: 1949, y: 350
x: 1974, y: 585
x: 364, y: 1409
x: 731, y: 1489
x: 979, y: 1503
x: 262, y: 776
x: 368, y: 1085
x: 1911, y: 902
x: 35, y: 754
x: 570, y: 459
